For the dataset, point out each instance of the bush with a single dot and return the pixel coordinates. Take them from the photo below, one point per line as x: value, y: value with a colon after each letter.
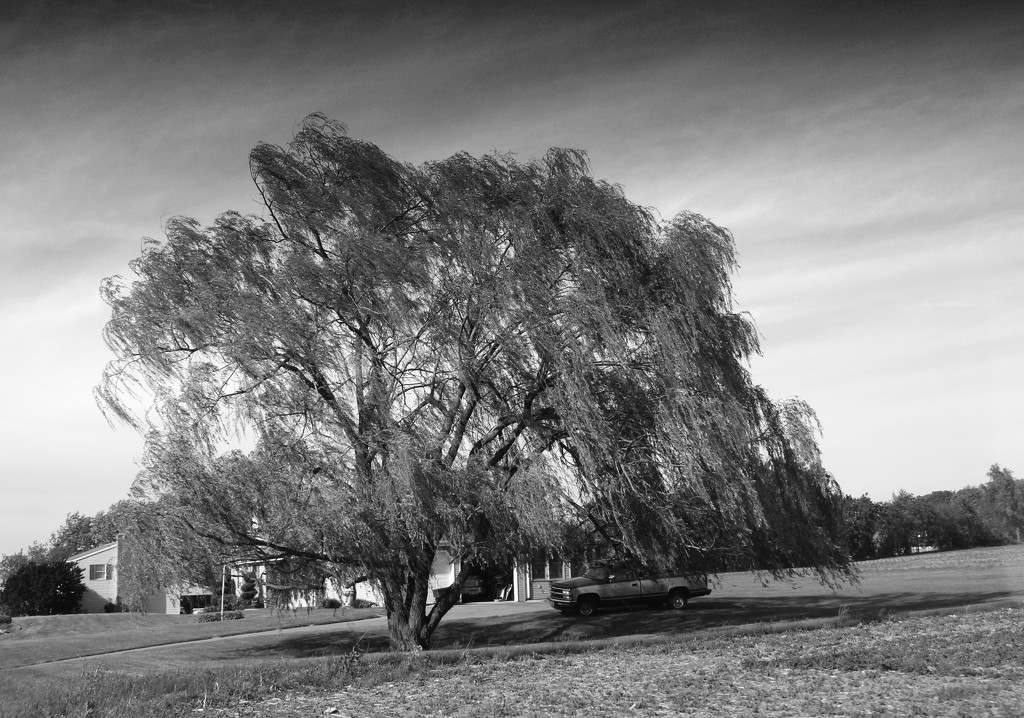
x: 213, y: 617
x: 5, y: 616
x: 43, y: 589
x: 249, y: 591
x: 231, y: 603
x: 331, y: 603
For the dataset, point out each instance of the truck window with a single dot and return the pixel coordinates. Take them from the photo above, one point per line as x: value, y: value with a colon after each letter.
x: 621, y: 573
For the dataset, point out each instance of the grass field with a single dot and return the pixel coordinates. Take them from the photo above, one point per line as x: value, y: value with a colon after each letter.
x: 784, y: 649
x: 43, y: 639
x: 957, y: 665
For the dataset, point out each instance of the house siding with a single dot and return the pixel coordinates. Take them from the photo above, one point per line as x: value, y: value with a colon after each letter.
x: 522, y: 580
x: 163, y: 602
x: 530, y: 587
x: 98, y: 591
x: 102, y: 591
x: 442, y: 572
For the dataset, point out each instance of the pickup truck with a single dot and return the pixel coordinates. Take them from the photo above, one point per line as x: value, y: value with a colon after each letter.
x: 623, y: 585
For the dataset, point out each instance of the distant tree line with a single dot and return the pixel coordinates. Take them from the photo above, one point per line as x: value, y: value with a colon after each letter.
x: 991, y: 514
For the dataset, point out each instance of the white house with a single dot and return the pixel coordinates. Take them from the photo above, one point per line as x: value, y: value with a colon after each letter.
x: 443, y: 572
x: 99, y: 574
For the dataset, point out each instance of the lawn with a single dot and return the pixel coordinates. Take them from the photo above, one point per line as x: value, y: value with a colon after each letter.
x: 956, y: 665
x: 970, y: 663
x: 795, y: 642
x: 43, y: 639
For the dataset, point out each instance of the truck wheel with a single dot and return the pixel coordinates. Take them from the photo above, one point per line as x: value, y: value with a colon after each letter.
x: 586, y: 606
x: 678, y: 599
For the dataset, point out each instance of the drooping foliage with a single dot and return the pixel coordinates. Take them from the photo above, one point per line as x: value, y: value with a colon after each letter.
x: 460, y: 354
x: 158, y: 551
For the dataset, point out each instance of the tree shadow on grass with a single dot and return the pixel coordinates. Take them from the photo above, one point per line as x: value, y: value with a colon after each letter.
x: 517, y: 628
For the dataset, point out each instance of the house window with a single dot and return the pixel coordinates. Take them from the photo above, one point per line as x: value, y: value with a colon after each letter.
x: 537, y: 566
x: 555, y: 568
x: 101, y: 572
x: 543, y: 566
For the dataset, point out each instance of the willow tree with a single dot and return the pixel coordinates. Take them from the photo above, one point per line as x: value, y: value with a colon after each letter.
x: 463, y: 353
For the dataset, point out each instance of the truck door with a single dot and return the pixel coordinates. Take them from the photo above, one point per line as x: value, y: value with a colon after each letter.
x: 654, y: 589
x: 623, y: 586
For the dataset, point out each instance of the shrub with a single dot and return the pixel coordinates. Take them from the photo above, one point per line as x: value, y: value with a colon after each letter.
x: 213, y: 617
x: 5, y: 616
x: 249, y: 592
x: 331, y: 603
x: 231, y: 603
x: 43, y: 589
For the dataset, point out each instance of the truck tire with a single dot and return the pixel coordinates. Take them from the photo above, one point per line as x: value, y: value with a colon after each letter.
x: 678, y: 598
x: 586, y: 605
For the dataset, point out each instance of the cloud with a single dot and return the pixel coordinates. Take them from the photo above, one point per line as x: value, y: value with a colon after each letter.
x: 866, y: 155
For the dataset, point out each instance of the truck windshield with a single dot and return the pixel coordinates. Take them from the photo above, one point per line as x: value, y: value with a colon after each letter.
x: 598, y: 573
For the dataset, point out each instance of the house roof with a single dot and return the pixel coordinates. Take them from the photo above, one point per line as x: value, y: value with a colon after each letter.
x: 91, y: 552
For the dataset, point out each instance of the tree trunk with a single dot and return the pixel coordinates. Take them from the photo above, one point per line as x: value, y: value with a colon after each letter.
x: 447, y: 598
x: 404, y: 635
x: 405, y: 600
x: 410, y: 627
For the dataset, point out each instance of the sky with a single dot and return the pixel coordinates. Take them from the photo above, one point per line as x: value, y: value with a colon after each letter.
x: 867, y: 156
